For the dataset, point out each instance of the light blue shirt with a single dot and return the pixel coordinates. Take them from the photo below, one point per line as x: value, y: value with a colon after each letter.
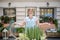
x: 30, y: 22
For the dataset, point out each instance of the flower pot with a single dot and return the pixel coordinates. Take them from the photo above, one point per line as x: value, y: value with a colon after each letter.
x: 6, y: 25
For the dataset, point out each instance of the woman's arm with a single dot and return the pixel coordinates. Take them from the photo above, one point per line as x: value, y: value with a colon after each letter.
x: 20, y: 24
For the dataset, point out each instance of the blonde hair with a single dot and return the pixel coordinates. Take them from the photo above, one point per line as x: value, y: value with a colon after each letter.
x: 32, y: 10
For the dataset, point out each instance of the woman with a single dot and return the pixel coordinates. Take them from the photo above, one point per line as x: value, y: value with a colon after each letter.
x: 30, y: 20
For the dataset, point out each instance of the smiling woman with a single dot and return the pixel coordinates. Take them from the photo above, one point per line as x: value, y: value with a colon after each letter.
x: 33, y: 10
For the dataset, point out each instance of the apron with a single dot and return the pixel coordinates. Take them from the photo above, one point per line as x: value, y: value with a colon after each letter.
x: 30, y: 23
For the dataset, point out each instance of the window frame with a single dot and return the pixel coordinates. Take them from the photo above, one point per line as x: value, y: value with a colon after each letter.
x: 4, y: 13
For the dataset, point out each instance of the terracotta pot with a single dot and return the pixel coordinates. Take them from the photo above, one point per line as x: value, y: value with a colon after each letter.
x: 6, y: 25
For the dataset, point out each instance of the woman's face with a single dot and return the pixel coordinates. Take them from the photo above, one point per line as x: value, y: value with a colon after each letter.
x: 30, y: 12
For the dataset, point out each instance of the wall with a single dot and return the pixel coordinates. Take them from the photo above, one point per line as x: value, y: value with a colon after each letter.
x: 58, y: 15
x: 34, y: 4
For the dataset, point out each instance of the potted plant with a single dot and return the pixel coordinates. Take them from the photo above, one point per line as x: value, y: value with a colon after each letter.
x: 20, y: 30
x: 2, y: 19
x: 56, y: 22
x: 58, y: 30
x: 22, y: 35
x: 6, y: 21
x: 46, y: 19
x: 41, y: 20
x: 34, y: 33
x: 1, y: 29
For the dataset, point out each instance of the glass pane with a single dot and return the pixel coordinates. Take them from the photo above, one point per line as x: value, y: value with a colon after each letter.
x: 45, y: 12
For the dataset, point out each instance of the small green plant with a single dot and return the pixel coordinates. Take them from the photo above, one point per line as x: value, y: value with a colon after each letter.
x: 2, y: 19
x: 41, y: 20
x: 58, y: 30
x: 20, y: 30
x: 1, y: 27
x: 6, y: 19
x: 34, y: 33
x: 56, y: 22
x: 46, y: 19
